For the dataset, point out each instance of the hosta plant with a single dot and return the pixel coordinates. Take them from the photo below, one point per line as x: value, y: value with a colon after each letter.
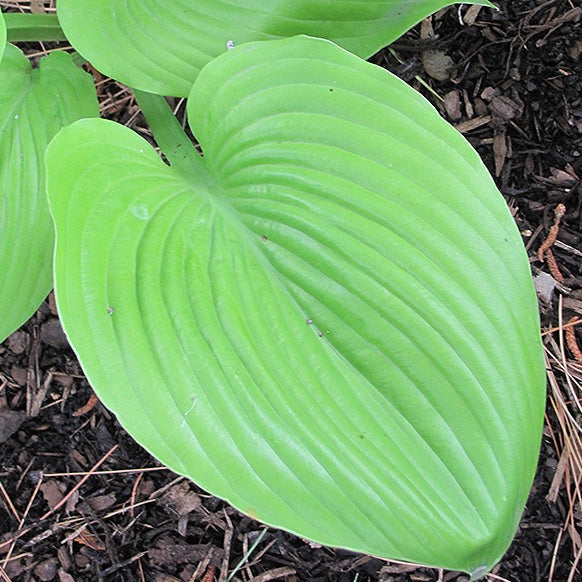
x: 327, y: 318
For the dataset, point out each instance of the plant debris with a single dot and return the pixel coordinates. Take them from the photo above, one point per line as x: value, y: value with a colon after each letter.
x: 81, y: 501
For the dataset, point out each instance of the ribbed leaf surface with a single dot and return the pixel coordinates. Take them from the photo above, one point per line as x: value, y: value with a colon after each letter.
x: 161, y: 45
x: 34, y: 105
x: 328, y: 320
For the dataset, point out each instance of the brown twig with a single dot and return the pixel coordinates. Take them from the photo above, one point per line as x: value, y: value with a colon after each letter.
x: 9, y: 502
x: 228, y: 533
x: 209, y: 575
x: 24, y: 531
x: 80, y: 483
x: 88, y: 407
x: 571, y: 341
x: 553, y: 266
x: 545, y: 249
x: 12, y: 541
x: 553, y: 234
x: 134, y: 494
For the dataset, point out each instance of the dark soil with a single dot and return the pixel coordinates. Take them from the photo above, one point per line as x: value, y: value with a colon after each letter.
x: 510, y: 81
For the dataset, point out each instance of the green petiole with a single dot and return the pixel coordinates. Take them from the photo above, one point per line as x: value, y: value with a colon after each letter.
x: 33, y: 27
x: 168, y: 132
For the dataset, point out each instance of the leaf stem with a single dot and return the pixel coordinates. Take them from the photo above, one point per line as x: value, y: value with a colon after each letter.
x: 33, y: 27
x: 168, y: 132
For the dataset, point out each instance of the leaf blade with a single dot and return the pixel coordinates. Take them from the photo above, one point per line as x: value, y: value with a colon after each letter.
x: 34, y: 105
x: 165, y: 44
x: 389, y: 434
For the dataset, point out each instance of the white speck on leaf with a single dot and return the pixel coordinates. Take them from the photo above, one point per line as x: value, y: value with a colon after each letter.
x: 140, y: 211
x: 229, y: 44
x: 110, y: 310
x: 16, y: 116
x: 194, y: 400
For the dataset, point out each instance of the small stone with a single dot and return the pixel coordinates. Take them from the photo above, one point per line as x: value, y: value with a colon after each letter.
x: 437, y: 64
x: 544, y: 285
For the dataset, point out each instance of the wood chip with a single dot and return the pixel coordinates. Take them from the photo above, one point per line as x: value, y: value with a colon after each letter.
x: 52, y: 492
x: 499, y: 152
x: 52, y: 334
x: 101, y: 502
x: 471, y: 124
x: 504, y: 108
x: 18, y: 342
x: 453, y: 104
x: 274, y: 574
x: 168, y: 552
x: 472, y: 14
x: 86, y: 538
x: 10, y: 422
x: 19, y: 375
x: 180, y: 499
x: 46, y: 570
x: 65, y: 577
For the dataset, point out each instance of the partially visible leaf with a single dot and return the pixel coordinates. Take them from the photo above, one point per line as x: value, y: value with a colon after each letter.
x: 34, y: 105
x: 161, y: 45
x: 328, y: 320
x: 2, y: 35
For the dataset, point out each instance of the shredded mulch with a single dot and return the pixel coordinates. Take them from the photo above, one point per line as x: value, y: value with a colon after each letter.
x: 80, y: 501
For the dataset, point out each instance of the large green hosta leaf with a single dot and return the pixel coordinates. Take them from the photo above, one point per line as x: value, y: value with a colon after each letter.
x: 34, y: 105
x: 328, y: 320
x: 161, y: 45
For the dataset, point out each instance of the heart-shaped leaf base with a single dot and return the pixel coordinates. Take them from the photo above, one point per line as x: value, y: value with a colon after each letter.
x: 328, y: 320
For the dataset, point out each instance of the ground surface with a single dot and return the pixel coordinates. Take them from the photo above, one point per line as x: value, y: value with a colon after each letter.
x: 511, y: 83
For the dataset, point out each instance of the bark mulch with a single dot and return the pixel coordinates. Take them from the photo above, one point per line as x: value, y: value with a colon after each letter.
x: 80, y: 501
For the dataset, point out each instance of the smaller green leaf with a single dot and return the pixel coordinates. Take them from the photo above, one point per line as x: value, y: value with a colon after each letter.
x: 2, y: 34
x: 34, y: 105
